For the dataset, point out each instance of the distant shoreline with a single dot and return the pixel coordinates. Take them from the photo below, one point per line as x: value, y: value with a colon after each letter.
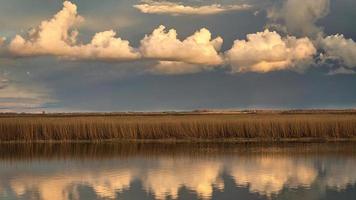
x: 193, y: 112
x: 187, y: 141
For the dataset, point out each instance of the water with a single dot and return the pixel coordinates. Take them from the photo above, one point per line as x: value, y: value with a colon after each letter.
x: 178, y: 171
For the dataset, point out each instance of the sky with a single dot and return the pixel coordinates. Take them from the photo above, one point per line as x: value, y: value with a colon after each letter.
x: 150, y: 55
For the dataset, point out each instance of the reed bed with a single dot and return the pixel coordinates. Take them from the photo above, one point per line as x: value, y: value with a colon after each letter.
x: 177, y: 127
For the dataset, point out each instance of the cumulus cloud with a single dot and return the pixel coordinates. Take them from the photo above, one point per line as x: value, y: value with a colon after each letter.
x: 261, y: 52
x: 174, y: 8
x: 52, y: 36
x: 268, y: 51
x: 339, y: 48
x: 199, y: 48
x: 299, y: 17
x: 106, y: 46
x: 58, y: 37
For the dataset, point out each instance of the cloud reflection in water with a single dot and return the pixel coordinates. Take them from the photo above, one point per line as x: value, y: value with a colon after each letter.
x: 164, y: 176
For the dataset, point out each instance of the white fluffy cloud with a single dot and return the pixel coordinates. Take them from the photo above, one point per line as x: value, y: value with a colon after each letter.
x: 196, y: 53
x: 299, y: 17
x: 199, y: 48
x: 57, y: 37
x: 340, y: 48
x: 262, y: 52
x: 173, y: 8
x: 52, y: 36
x: 105, y: 46
x: 268, y: 51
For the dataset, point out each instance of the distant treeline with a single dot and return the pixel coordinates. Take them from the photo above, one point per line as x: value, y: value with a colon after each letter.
x: 194, y: 112
x: 178, y: 127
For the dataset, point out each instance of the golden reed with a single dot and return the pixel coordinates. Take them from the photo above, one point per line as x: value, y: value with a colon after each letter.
x: 203, y: 126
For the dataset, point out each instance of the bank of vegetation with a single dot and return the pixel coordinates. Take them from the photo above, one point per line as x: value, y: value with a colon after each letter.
x: 265, y: 126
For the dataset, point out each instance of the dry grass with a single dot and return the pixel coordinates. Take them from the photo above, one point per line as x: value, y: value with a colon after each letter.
x: 247, y: 126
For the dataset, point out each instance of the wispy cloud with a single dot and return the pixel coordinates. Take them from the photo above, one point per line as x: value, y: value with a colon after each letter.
x: 174, y: 8
x: 342, y: 70
x: 14, y: 96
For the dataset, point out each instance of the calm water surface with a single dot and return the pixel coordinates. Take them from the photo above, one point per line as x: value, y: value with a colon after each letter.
x: 178, y: 171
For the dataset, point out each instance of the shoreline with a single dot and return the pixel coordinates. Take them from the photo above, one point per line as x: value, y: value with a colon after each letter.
x: 174, y: 141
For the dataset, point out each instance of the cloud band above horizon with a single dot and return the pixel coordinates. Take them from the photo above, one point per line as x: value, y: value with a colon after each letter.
x: 261, y: 52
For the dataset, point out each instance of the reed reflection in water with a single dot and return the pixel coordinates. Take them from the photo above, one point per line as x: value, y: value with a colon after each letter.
x: 177, y: 171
